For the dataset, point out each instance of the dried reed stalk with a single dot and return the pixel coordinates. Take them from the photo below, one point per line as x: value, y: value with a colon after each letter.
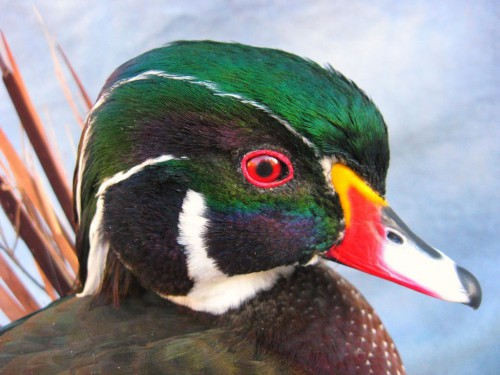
x: 32, y: 236
x: 34, y: 129
x: 83, y: 92
x: 22, y: 294
x: 27, y: 204
x: 10, y: 306
x: 36, y: 193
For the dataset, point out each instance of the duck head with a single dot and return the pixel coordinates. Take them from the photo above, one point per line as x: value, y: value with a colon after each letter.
x: 208, y: 170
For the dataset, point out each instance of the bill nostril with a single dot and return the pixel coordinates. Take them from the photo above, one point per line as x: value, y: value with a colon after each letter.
x: 394, y: 237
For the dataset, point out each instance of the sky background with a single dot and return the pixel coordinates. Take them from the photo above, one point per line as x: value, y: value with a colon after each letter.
x: 432, y: 67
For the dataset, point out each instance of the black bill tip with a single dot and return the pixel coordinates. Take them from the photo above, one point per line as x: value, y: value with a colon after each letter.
x: 472, y: 287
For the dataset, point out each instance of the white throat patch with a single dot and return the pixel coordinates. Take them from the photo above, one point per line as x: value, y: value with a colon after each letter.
x: 214, y: 291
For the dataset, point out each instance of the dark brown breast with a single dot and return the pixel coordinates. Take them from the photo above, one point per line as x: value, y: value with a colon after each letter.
x: 321, y: 323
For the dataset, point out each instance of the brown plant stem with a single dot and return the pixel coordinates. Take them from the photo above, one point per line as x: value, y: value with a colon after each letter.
x: 34, y: 129
x: 31, y: 186
x: 83, y: 92
x: 10, y: 306
x: 17, y: 287
x: 34, y: 240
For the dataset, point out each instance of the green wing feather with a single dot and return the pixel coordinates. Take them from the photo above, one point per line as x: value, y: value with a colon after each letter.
x: 145, y: 335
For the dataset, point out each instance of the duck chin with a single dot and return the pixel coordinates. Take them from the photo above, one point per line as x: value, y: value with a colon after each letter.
x: 222, y: 293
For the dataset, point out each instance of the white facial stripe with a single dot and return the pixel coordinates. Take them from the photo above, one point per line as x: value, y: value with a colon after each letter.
x: 99, y: 247
x: 121, y: 176
x: 213, y: 291
x: 438, y: 276
x: 192, y: 227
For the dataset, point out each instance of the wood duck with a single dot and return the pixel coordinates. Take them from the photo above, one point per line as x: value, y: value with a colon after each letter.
x: 214, y: 183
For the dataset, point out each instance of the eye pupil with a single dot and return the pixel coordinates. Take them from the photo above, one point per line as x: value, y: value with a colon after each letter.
x: 267, y: 167
x: 264, y: 169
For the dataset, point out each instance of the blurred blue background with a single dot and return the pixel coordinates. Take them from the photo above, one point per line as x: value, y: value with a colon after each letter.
x: 432, y: 67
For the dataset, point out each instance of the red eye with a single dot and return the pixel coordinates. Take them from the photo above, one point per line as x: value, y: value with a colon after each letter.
x: 266, y: 169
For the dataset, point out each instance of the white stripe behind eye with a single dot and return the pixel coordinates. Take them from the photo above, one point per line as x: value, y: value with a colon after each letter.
x: 99, y: 247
